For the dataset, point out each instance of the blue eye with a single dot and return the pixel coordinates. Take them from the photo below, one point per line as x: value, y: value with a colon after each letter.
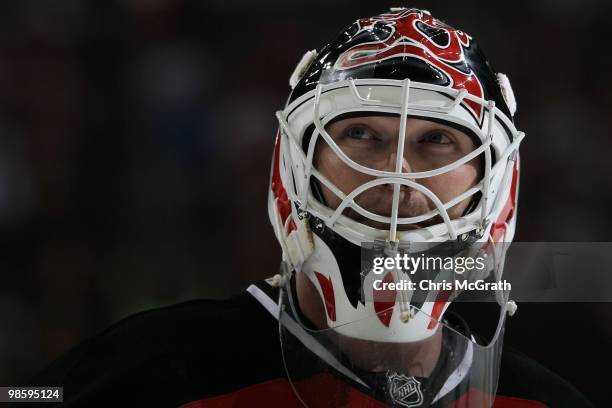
x: 436, y: 138
x: 360, y: 133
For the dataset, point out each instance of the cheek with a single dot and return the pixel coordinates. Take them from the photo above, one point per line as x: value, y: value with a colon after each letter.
x: 338, y: 172
x: 449, y: 185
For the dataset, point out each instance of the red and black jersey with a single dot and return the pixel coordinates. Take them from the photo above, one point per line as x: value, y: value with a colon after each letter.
x: 212, y: 353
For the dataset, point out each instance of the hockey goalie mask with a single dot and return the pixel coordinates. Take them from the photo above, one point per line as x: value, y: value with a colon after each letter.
x: 379, y: 127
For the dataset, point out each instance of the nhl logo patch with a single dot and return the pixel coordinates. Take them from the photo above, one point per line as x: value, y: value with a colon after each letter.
x: 404, y: 391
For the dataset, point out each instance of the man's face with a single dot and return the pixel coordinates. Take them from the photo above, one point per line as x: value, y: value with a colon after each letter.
x: 372, y: 141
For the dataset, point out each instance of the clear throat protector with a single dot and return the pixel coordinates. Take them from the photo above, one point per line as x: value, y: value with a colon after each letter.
x: 453, y: 366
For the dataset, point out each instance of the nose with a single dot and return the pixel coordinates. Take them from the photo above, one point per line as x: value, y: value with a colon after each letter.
x: 392, y: 164
x: 405, y: 168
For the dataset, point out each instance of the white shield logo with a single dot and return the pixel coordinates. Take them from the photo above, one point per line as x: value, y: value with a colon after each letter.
x: 405, y: 391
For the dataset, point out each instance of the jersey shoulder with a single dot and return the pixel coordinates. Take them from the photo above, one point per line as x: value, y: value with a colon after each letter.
x: 171, y: 355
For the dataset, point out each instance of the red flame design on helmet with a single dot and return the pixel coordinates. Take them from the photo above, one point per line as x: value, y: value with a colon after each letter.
x: 416, y: 34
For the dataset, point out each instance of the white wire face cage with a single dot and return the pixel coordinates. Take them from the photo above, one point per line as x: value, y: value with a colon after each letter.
x: 499, y: 141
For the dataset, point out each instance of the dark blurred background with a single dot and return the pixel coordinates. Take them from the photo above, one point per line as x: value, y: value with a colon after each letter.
x: 136, y: 135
